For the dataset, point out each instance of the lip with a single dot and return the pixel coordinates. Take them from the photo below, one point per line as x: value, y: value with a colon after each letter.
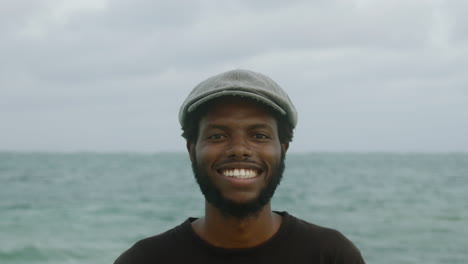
x: 241, y: 165
x: 247, y: 166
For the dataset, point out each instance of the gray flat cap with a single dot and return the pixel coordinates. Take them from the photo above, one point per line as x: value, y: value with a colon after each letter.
x: 240, y: 83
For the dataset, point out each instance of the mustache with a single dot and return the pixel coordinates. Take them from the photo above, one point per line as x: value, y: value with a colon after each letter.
x: 239, y: 163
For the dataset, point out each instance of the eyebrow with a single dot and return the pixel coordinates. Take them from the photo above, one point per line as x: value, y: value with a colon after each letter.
x: 257, y: 126
x: 221, y: 127
x: 253, y: 126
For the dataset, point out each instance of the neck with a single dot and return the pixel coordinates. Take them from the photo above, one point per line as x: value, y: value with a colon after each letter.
x: 230, y: 232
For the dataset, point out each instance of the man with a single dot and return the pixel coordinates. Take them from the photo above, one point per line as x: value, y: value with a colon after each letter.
x: 238, y: 126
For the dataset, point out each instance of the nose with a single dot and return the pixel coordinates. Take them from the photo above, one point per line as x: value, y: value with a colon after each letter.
x: 239, y: 149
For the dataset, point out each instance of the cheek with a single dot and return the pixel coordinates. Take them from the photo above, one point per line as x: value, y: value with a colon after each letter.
x: 205, y: 154
x: 271, y: 152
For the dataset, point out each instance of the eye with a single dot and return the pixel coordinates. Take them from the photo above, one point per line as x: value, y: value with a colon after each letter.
x: 216, y: 137
x: 260, y: 136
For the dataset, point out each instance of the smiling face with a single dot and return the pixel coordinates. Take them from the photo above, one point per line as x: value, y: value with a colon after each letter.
x: 238, y: 159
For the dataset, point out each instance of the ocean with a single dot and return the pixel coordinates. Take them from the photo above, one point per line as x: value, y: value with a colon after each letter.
x: 90, y: 207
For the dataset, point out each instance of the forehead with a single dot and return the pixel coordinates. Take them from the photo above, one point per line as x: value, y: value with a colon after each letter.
x: 238, y: 109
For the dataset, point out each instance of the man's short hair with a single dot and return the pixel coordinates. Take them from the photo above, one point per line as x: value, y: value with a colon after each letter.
x: 247, y: 85
x: 192, y: 121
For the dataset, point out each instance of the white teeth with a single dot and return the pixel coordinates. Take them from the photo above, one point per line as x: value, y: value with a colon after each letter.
x: 240, y: 173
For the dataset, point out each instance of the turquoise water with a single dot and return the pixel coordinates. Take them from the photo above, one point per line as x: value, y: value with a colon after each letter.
x: 88, y: 208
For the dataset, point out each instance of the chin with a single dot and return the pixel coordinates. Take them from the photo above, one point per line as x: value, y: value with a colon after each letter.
x: 238, y: 209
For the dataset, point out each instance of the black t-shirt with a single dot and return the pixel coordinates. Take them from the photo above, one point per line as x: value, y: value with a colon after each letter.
x: 296, y: 241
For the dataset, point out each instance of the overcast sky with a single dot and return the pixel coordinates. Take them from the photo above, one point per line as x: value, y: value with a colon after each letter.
x: 105, y: 75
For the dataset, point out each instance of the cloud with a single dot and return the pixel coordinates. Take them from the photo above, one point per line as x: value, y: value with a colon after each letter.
x: 93, y: 74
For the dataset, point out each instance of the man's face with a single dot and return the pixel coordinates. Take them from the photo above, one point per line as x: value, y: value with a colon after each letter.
x: 238, y: 159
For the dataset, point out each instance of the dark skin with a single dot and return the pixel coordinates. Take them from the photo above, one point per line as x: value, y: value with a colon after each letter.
x: 237, y: 134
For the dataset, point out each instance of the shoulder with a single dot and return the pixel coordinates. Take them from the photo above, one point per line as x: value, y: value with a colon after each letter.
x: 309, y: 230
x: 324, y: 234
x: 329, y: 243
x: 151, y: 248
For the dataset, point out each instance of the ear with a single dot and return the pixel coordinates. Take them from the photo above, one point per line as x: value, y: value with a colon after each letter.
x: 285, y: 147
x: 191, y: 150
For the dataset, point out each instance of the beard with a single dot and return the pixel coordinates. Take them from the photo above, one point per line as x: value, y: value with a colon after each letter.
x: 233, y: 209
